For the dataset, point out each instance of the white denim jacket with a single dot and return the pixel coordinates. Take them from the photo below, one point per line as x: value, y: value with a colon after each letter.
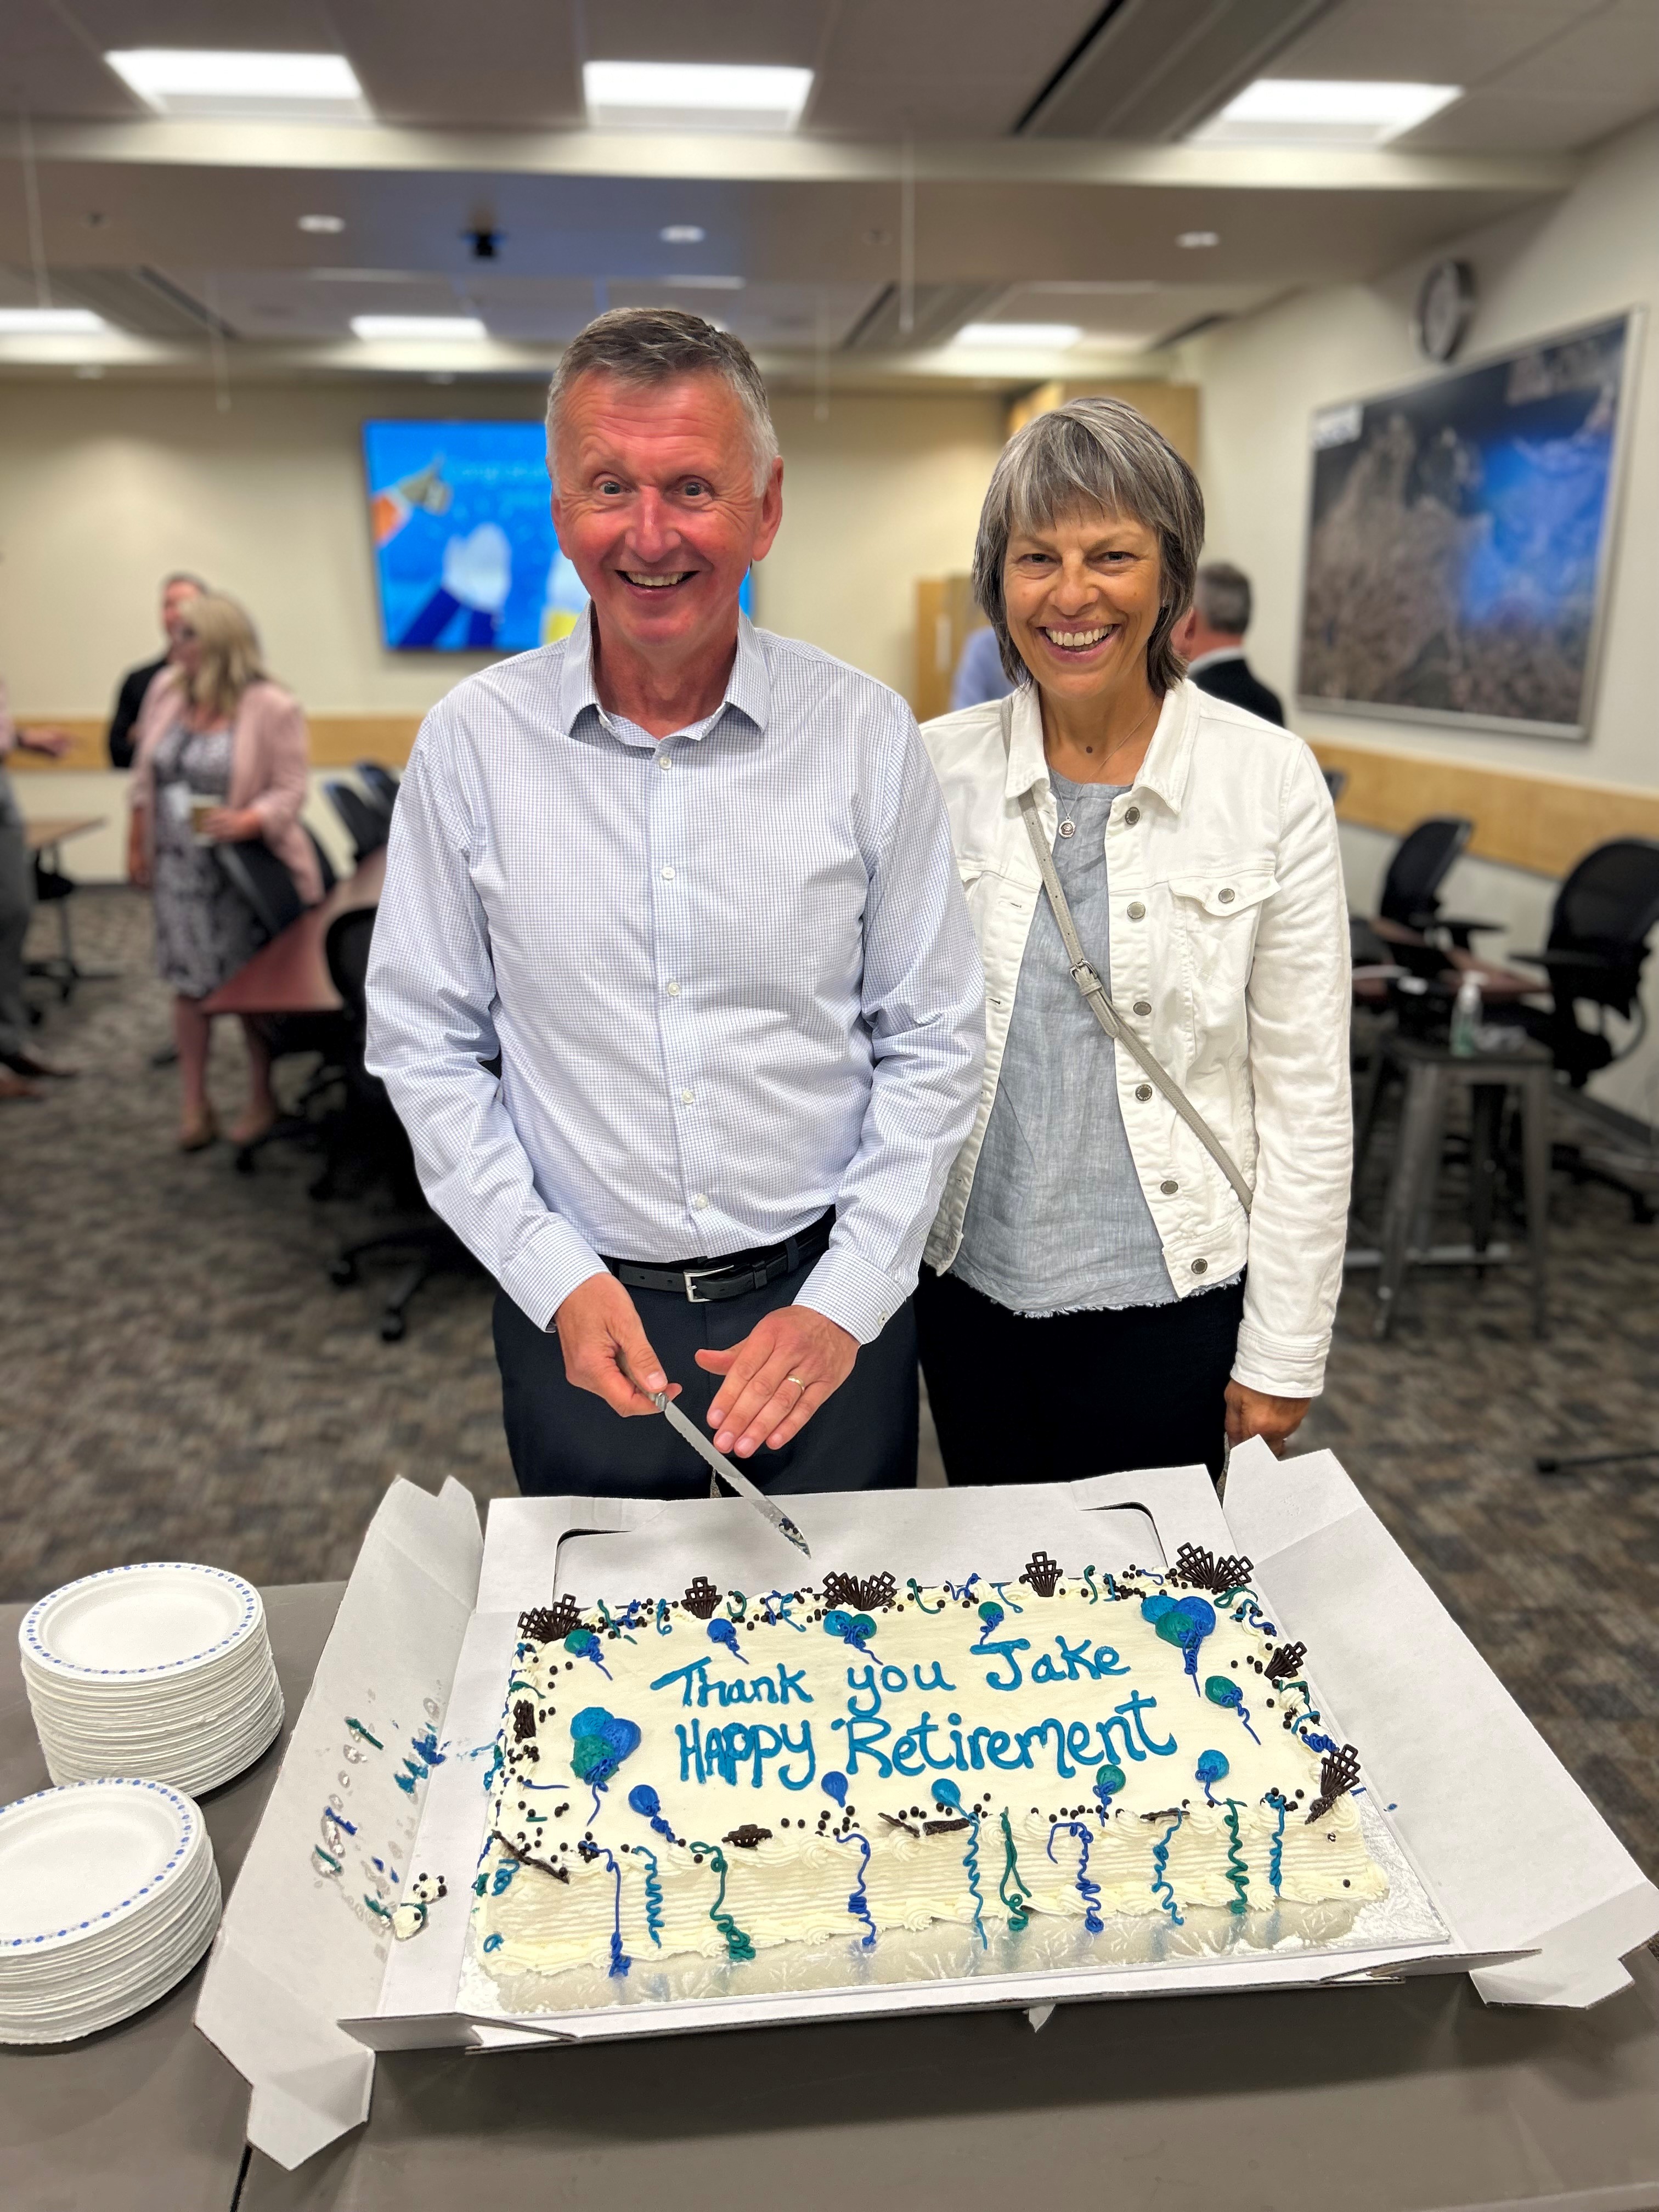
x: 1230, y: 950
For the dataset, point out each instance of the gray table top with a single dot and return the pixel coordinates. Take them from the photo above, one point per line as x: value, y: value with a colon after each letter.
x: 1409, y: 2097
x: 148, y: 2114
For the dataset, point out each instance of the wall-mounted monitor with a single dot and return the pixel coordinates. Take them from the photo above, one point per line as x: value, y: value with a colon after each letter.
x: 466, y: 558
x: 1460, y: 539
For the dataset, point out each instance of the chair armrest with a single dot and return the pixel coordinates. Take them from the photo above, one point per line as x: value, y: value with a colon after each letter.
x: 1461, y: 928
x: 1581, y: 960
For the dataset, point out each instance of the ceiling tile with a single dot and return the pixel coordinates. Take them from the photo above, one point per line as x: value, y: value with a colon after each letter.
x: 1543, y: 123
x: 1428, y: 41
x: 515, y: 67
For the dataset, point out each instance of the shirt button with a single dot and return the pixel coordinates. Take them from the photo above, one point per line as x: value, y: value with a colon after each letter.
x: 1168, y: 1189
x: 1137, y: 912
x: 668, y: 875
x: 1132, y: 815
x: 687, y: 1097
x: 663, y: 761
x: 1143, y: 1005
x: 673, y: 990
x: 699, y: 1201
x: 1143, y: 1092
x: 1201, y: 1266
x: 1225, y: 898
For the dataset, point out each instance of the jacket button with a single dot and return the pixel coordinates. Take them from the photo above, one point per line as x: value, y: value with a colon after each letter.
x: 1143, y: 1005
x: 1143, y: 1092
x: 1201, y: 1266
x: 1170, y: 1189
x: 1132, y: 815
x: 1225, y: 898
x: 1137, y: 912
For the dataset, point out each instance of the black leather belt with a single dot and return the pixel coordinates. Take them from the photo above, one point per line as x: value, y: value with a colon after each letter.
x: 705, y: 1282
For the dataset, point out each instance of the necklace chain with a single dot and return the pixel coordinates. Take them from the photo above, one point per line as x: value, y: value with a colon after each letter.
x: 1123, y: 742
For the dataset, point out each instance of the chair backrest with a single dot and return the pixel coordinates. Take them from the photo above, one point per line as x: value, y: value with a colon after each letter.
x: 1608, y: 907
x: 1336, y: 781
x: 367, y: 826
x: 254, y: 872
x: 345, y: 948
x: 1422, y: 860
x: 325, y: 865
x: 379, y: 782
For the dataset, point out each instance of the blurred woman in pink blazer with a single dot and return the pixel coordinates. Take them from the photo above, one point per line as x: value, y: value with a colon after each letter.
x: 222, y: 757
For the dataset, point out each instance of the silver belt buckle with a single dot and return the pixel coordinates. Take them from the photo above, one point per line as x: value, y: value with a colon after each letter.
x: 693, y: 1277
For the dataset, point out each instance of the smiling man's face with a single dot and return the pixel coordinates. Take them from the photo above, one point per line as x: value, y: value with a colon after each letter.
x: 657, y: 509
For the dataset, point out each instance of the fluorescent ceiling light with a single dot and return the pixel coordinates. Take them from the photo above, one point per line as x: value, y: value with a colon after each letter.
x: 189, y: 81
x: 1028, y: 338
x: 1196, y: 241
x: 682, y: 233
x: 50, y: 323
x: 1289, y: 111
x: 694, y: 96
x: 687, y: 283
x: 323, y: 226
x: 417, y: 326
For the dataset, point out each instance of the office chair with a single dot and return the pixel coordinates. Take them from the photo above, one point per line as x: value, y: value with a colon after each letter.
x: 1336, y: 781
x: 325, y: 865
x: 1603, y: 916
x: 1410, y: 898
x: 371, y: 1131
x: 367, y: 821
x: 381, y: 782
x: 262, y: 882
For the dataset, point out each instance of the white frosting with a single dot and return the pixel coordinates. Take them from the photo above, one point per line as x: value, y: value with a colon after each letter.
x: 964, y: 1757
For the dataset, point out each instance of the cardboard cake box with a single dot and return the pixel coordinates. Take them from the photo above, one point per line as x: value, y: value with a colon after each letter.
x: 384, y: 1779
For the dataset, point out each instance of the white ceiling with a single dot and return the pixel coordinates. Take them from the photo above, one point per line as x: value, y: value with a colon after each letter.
x: 1047, y: 153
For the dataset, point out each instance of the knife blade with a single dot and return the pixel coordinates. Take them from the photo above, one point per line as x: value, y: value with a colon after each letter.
x: 723, y: 1467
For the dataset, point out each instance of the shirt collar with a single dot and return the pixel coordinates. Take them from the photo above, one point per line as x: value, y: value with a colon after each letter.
x: 748, y: 689
x: 1163, y: 772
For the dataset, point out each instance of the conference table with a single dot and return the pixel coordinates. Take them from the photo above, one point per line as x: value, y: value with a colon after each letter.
x: 1408, y: 2096
x: 290, y: 974
x: 45, y: 836
x: 1420, y: 955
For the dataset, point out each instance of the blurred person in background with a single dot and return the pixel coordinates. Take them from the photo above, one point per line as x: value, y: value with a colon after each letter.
x: 20, y: 1060
x: 178, y: 590
x: 979, y: 675
x: 215, y: 728
x: 1210, y: 640
x: 1113, y: 1289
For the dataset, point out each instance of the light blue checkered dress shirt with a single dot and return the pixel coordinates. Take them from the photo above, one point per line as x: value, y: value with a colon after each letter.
x: 730, y: 977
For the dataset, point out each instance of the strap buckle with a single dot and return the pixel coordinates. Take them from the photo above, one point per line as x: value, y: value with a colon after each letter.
x: 1085, y: 978
x: 693, y: 1276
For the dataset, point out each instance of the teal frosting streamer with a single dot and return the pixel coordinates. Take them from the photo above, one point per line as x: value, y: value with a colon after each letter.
x: 738, y: 1945
x: 1276, y: 1848
x: 653, y: 1894
x: 915, y: 1593
x: 1236, y: 1871
x: 1162, y: 1888
x: 947, y: 1793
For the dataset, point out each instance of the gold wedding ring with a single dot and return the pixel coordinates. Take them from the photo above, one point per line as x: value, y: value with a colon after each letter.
x: 796, y: 1380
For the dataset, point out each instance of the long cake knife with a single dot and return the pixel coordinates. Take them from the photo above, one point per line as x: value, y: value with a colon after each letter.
x: 723, y: 1467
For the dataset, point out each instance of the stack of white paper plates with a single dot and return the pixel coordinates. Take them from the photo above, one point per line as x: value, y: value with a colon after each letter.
x: 162, y: 1672
x: 108, y: 1896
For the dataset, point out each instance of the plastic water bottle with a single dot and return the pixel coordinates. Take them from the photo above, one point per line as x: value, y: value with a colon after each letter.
x: 1465, y: 1018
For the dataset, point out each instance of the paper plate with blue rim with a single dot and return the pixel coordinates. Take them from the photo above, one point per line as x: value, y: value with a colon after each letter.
x: 144, y: 1623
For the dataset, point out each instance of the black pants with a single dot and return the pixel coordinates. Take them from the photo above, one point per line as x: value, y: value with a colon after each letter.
x: 1017, y: 1400
x: 566, y: 1441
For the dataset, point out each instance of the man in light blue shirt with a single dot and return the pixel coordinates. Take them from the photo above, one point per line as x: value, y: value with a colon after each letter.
x: 689, y: 887
x: 980, y: 676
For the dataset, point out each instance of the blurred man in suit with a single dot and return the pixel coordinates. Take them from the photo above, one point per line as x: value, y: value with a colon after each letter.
x: 177, y: 592
x: 1212, y: 641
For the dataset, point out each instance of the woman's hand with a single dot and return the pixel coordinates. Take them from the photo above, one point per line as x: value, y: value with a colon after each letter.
x: 1256, y: 1413
x: 137, y: 858
x: 232, y: 825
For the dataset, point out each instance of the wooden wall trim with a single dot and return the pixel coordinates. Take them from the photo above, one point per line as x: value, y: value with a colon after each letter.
x: 337, y: 740
x: 1542, y: 824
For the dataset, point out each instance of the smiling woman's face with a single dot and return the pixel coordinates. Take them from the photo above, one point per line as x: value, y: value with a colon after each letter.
x: 1082, y: 598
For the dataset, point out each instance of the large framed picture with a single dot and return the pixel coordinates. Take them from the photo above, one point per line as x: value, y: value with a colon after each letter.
x: 1460, y: 536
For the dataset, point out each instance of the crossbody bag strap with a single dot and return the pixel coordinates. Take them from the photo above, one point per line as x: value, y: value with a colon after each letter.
x: 1095, y: 998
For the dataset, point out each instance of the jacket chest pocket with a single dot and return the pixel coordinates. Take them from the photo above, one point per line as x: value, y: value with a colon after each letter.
x: 1217, y: 913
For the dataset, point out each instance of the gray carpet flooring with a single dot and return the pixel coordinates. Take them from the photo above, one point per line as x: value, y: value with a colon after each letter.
x: 180, y: 1380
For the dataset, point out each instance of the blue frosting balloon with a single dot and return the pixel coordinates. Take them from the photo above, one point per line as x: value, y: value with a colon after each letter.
x: 1155, y: 1607
x: 599, y: 1741
x: 1221, y: 1690
x: 722, y: 1632
x: 1212, y: 1767
x: 947, y: 1793
x: 991, y: 1615
x: 581, y: 1641
x: 1109, y: 1779
x: 837, y: 1623
x: 642, y: 1798
x: 834, y: 1785
x: 853, y: 1628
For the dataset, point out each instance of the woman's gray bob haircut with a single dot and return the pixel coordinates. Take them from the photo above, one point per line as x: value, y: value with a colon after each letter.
x: 657, y: 345
x: 1093, y: 457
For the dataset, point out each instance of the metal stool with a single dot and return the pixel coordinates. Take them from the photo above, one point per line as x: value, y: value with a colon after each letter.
x: 1431, y: 1073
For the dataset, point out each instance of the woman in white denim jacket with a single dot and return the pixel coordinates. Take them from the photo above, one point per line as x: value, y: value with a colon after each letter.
x: 1096, y: 1296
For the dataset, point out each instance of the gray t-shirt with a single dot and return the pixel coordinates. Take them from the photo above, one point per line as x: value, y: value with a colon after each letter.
x: 1057, y: 1221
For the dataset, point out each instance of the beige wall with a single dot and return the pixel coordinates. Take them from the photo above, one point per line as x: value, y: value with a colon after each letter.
x: 1591, y: 254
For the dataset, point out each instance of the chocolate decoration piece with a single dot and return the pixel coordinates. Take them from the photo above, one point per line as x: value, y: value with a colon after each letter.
x: 855, y: 1593
x: 701, y: 1598
x: 551, y: 1624
x: 905, y: 1825
x: 1041, y: 1573
x: 1195, y: 1568
x: 748, y: 1838
x: 524, y: 1720
x: 1338, y: 1773
x: 943, y: 1827
x: 1286, y: 1661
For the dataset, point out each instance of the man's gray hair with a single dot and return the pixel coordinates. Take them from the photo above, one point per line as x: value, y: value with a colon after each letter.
x: 1094, y: 456
x: 1222, y: 597
x: 657, y: 345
